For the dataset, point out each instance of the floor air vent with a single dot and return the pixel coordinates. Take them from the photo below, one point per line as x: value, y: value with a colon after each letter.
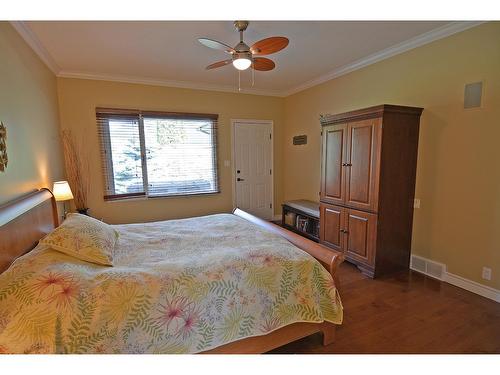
x: 428, y: 267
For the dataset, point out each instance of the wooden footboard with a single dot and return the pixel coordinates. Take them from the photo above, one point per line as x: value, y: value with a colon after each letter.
x: 275, y: 339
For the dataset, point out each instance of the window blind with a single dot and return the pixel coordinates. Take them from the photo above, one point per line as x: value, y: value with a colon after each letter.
x: 157, y: 154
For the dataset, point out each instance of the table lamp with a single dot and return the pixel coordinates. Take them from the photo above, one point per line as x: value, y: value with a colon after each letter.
x: 62, y: 193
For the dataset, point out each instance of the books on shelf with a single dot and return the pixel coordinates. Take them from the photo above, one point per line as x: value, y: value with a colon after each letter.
x: 304, y: 221
x: 290, y: 218
x: 301, y: 223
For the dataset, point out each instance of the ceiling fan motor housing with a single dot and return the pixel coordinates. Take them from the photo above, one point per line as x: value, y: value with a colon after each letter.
x: 242, y: 55
x: 242, y: 47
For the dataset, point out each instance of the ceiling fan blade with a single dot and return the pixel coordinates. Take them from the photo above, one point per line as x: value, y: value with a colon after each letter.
x: 218, y: 64
x: 216, y: 45
x: 269, y: 45
x: 263, y: 64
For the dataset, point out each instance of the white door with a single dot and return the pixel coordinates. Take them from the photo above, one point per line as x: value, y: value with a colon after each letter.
x: 253, y: 163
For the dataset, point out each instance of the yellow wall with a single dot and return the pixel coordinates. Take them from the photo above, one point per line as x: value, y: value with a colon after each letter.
x: 458, y: 177
x: 79, y: 98
x: 458, y: 173
x: 28, y: 109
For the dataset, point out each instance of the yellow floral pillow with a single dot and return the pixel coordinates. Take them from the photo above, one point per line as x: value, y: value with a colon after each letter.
x: 84, y: 238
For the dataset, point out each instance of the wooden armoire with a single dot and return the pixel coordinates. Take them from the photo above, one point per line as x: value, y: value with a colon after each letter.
x: 368, y: 168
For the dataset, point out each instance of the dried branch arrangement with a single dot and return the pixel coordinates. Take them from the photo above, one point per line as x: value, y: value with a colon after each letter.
x: 77, y: 170
x: 3, y: 148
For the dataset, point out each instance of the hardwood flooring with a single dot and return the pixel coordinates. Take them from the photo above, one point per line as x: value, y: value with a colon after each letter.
x: 407, y: 313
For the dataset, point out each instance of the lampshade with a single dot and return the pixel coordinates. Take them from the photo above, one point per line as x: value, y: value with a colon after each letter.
x: 242, y: 63
x: 62, y: 191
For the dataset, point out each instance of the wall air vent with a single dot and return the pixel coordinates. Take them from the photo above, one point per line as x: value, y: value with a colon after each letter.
x: 472, y: 95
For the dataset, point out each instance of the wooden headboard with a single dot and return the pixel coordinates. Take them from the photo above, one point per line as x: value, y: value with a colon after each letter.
x: 23, y: 222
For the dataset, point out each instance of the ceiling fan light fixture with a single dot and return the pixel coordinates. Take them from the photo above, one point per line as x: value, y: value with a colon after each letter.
x: 242, y: 63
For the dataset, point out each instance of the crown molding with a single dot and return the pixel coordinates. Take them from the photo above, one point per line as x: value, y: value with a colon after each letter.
x: 442, y: 32
x: 29, y: 37
x: 166, y: 83
x: 417, y: 41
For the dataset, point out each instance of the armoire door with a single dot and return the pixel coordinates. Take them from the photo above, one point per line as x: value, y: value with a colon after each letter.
x: 362, y: 164
x: 331, y: 226
x: 334, y: 142
x: 361, y: 230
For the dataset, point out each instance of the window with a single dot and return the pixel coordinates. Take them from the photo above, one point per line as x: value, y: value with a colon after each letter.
x: 156, y: 154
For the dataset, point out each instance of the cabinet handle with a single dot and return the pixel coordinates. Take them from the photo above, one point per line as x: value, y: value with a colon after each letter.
x: 343, y: 231
x: 346, y: 164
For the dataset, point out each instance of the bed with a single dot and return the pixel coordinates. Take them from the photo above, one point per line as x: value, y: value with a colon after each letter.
x: 227, y: 283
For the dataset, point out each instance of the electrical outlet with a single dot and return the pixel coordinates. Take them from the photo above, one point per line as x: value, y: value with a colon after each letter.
x: 416, y: 203
x: 486, y: 273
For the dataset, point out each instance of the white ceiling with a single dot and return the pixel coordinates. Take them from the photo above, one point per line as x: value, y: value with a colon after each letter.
x: 167, y: 52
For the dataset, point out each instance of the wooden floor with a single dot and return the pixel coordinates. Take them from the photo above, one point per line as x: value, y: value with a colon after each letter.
x: 408, y: 313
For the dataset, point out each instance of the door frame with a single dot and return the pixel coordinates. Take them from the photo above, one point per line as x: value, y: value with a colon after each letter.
x: 233, y: 164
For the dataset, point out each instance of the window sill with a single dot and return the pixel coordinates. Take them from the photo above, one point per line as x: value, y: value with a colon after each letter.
x: 154, y: 197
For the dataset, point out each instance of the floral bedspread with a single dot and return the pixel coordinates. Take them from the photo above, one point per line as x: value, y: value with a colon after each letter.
x: 178, y: 286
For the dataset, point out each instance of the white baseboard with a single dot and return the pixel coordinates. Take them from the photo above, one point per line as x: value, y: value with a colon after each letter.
x: 439, y: 271
x: 472, y: 286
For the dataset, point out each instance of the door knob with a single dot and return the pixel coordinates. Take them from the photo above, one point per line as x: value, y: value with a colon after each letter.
x: 240, y: 179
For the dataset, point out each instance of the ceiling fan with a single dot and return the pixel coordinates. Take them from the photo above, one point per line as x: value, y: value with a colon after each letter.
x: 243, y: 56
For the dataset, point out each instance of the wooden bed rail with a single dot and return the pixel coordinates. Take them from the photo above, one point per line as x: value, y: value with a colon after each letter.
x: 329, y: 258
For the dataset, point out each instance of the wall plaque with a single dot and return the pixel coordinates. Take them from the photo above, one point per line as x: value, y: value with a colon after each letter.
x: 300, y: 140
